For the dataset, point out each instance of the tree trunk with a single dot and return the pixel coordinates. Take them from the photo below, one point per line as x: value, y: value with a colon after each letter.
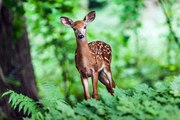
x: 16, y: 71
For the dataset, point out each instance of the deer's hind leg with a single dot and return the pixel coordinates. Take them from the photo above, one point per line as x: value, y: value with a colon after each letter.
x: 108, y: 73
x: 104, y: 80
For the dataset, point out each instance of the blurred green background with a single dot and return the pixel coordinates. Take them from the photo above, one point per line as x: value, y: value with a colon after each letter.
x: 144, y: 36
x: 144, y: 49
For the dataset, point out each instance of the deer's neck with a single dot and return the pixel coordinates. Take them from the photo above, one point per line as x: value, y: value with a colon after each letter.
x: 82, y: 46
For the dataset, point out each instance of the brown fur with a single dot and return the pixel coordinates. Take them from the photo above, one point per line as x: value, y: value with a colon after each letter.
x: 93, y: 59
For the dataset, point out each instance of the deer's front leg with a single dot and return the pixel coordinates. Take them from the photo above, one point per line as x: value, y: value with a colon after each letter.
x: 86, y: 87
x: 95, y: 85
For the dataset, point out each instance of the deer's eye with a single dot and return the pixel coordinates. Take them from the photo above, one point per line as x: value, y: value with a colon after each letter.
x: 84, y: 27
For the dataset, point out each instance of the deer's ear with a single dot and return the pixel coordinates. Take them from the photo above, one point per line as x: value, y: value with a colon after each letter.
x: 66, y: 21
x: 90, y: 16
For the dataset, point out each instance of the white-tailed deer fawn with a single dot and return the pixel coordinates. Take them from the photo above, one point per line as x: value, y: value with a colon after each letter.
x: 93, y: 59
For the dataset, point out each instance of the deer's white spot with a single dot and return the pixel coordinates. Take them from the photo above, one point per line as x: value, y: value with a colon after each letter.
x: 106, y: 59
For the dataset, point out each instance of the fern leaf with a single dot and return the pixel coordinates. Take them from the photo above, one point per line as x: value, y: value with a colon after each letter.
x: 12, y: 99
x: 29, y: 111
x: 25, y: 109
x: 7, y: 93
x: 17, y: 102
x: 20, y: 106
x: 175, y: 87
x: 39, y: 116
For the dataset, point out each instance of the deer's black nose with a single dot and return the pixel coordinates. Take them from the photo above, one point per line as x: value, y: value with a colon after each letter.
x: 80, y: 36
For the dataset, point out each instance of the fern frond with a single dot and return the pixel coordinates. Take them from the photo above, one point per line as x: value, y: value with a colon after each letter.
x: 21, y: 102
x: 141, y: 102
x: 6, y: 93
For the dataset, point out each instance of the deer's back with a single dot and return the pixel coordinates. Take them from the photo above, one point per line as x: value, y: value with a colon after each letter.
x: 101, y: 49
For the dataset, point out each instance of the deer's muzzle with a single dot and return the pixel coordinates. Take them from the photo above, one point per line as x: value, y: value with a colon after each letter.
x: 81, y: 36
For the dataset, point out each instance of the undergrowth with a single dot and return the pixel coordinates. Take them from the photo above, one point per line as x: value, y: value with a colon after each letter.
x: 139, y: 103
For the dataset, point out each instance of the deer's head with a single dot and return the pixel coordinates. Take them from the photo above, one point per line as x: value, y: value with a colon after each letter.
x: 79, y: 26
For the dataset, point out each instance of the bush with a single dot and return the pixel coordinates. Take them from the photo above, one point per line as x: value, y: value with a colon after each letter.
x: 140, y: 102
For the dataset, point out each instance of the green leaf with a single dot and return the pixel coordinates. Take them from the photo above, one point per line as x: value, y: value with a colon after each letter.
x: 175, y: 87
x: 12, y: 96
x: 7, y: 93
x: 20, y: 106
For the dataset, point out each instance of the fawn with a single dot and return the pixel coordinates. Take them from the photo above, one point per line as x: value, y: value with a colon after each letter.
x: 92, y: 59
